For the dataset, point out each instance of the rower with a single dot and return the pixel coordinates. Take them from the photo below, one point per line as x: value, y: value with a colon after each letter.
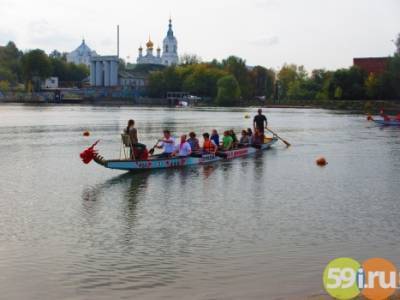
x: 234, y: 138
x: 183, y: 149
x: 193, y: 142
x: 258, y: 138
x: 244, y: 139
x: 250, y: 135
x: 227, y: 141
x: 168, y: 144
x: 209, y: 147
x: 215, y: 137
x: 258, y: 122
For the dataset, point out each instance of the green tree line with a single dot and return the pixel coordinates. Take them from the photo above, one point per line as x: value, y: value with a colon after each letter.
x: 294, y: 83
x: 227, y: 82
x: 30, y: 67
x: 230, y: 81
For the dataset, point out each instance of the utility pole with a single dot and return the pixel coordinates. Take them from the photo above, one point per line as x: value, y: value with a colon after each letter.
x: 118, y: 41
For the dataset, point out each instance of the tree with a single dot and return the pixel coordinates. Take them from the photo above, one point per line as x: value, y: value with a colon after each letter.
x: 397, y: 43
x: 262, y: 82
x: 156, y: 85
x: 270, y: 84
x: 10, y: 66
x: 237, y: 67
x: 371, y: 86
x: 389, y: 81
x: 228, y: 91
x: 173, y: 82
x: 4, y: 86
x: 190, y: 59
x: 7, y: 75
x: 351, y: 83
x: 59, y: 69
x: 68, y: 74
x: 35, y: 66
x: 321, y: 79
x: 286, y: 75
x: 202, y: 80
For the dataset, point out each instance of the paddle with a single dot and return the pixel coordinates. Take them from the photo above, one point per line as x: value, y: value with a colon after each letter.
x: 151, y: 151
x: 286, y: 142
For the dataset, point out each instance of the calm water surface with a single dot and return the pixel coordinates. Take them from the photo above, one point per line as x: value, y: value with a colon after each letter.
x: 261, y: 227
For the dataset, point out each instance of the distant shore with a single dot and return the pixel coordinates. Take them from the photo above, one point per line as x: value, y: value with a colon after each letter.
x: 367, y: 106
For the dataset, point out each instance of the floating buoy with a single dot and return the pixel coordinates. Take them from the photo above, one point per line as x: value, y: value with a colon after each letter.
x: 247, y: 116
x: 321, y: 161
x: 86, y: 133
x: 369, y: 117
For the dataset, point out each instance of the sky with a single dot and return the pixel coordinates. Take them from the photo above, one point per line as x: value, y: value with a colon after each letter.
x: 314, y: 33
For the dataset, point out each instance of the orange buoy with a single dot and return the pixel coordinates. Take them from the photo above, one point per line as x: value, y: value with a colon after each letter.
x: 321, y: 161
x: 86, y: 133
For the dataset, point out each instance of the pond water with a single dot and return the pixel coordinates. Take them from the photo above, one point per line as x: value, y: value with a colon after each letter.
x: 257, y: 227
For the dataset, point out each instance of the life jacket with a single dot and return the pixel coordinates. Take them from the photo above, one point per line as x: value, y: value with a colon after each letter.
x: 208, y: 146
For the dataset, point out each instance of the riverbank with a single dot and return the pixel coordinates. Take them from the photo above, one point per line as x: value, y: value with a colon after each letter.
x: 360, y: 106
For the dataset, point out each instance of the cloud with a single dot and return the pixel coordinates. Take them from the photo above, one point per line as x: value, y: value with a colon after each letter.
x: 6, y: 36
x: 42, y: 34
x: 266, y: 41
x: 266, y: 3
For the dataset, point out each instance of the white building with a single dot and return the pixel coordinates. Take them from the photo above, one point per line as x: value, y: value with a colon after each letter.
x: 170, y: 48
x: 170, y: 51
x: 81, y: 55
x: 104, y: 71
x: 50, y: 83
x: 149, y: 57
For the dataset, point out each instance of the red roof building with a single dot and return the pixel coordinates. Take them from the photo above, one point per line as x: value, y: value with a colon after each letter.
x: 376, y: 65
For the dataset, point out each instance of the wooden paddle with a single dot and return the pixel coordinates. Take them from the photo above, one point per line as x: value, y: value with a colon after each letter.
x: 151, y: 151
x: 286, y: 142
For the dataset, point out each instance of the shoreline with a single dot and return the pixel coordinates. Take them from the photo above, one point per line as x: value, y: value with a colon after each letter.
x: 358, y: 106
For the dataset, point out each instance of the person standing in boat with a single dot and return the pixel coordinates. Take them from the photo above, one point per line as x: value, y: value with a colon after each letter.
x: 168, y: 144
x: 183, y: 149
x: 259, y: 121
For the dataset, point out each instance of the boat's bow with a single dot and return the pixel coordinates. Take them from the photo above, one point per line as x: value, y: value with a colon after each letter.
x: 100, y: 160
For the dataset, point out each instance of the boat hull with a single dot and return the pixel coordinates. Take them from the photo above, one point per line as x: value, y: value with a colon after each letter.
x: 176, y: 162
x: 387, y: 123
x: 164, y: 163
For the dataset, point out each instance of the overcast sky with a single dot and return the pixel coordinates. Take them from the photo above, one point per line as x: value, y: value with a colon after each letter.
x: 314, y: 33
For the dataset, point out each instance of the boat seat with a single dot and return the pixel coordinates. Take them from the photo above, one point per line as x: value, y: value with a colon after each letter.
x: 126, y: 140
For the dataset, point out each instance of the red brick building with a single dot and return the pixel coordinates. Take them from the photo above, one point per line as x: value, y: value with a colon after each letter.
x: 376, y: 65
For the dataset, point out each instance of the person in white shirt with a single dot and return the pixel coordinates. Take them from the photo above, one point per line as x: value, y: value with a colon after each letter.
x: 183, y: 149
x: 168, y: 144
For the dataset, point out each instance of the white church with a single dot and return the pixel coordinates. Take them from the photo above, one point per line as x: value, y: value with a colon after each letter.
x: 81, y: 55
x: 169, y: 54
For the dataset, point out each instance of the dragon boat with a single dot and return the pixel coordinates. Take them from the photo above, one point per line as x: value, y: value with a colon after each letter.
x: 156, y: 162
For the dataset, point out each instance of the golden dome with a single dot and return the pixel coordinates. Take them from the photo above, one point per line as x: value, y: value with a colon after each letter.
x: 149, y: 44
